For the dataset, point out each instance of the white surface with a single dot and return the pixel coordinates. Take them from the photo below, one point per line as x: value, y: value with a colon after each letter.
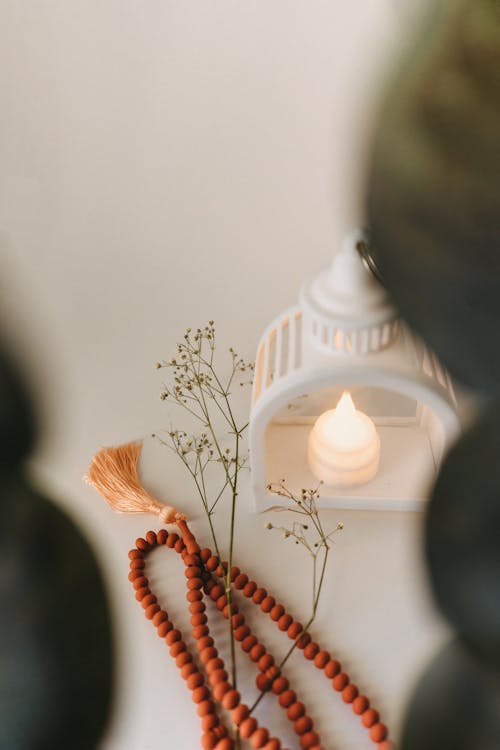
x: 163, y: 163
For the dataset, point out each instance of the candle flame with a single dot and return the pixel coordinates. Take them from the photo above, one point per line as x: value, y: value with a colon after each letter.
x: 345, y: 406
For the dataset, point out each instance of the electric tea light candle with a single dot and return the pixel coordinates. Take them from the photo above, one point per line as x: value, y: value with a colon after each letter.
x: 344, y: 446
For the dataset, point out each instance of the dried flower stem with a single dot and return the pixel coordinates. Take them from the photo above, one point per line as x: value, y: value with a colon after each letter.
x: 304, y: 505
x: 196, y: 387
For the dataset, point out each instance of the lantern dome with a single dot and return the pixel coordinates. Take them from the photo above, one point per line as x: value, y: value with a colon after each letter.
x: 345, y: 307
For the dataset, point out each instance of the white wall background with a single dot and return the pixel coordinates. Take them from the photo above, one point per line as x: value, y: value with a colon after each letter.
x: 162, y: 163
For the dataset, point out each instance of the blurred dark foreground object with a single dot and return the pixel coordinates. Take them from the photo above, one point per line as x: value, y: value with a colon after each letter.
x: 55, y: 637
x: 455, y: 707
x: 434, y: 210
x: 434, y: 189
x: 463, y: 539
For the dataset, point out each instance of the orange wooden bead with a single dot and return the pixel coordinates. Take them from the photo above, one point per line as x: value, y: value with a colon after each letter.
x: 221, y: 604
x: 151, y: 538
x: 265, y: 661
x: 183, y: 658
x: 272, y: 673
x: 135, y: 554
x: 231, y: 699
x: 263, y: 683
x: 139, y: 581
x: 135, y: 575
x: 386, y: 745
x: 173, y: 636
x: 194, y: 583
x: 220, y: 731
x: 248, y: 643
x: 287, y: 698
x: 208, y: 653
x: 218, y: 590
x: 267, y: 604
x: 200, y: 694
x: 194, y: 595
x: 177, y: 648
x: 296, y: 710
x: 137, y: 563
x: 192, y: 572
x: 235, y: 571
x: 280, y: 684
x: 259, y: 595
x: 160, y: 617
x: 294, y: 630
x: 197, y: 606
x: 179, y: 545
x: 248, y: 727
x: 199, y: 631
x: 146, y: 598
x: 212, y: 563
x: 321, y: 659
x: 311, y: 650
x: 161, y: 536
x: 240, y: 581
x: 259, y: 737
x: 209, y: 584
x: 241, y: 633
x: 205, y: 707
x: 249, y: 588
x: 209, y: 722
x: 204, y: 642
x: 164, y: 628
x: 205, y: 554
x: 273, y: 744
x: 214, y: 664
x: 194, y: 680
x: 349, y: 693
x: 378, y: 732
x: 187, y: 670
x: 308, y: 740
x: 151, y: 611
x: 142, y: 545
x: 332, y: 668
x: 303, y: 725
x: 208, y: 741
x: 220, y: 690
x: 191, y: 560
x: 360, y: 704
x: 237, y: 619
x: 225, y: 743
x: 304, y: 641
x: 199, y: 618
x: 369, y: 718
x: 171, y: 540
x: 239, y: 713
x: 284, y: 622
x: 340, y: 681
x: 219, y: 675
x: 257, y: 651
x: 276, y: 612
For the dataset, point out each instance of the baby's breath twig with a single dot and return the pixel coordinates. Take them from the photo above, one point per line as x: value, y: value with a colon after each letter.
x: 195, y: 385
x: 318, y: 546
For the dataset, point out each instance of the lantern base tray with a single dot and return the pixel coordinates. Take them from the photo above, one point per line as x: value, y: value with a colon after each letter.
x: 407, y: 469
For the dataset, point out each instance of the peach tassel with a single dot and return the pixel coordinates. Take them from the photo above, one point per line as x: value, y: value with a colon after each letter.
x: 113, y: 472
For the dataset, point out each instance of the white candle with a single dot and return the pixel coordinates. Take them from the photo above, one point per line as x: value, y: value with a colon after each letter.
x: 344, y: 446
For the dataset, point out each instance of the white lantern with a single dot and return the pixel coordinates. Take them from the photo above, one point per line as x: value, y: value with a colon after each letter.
x: 345, y: 393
